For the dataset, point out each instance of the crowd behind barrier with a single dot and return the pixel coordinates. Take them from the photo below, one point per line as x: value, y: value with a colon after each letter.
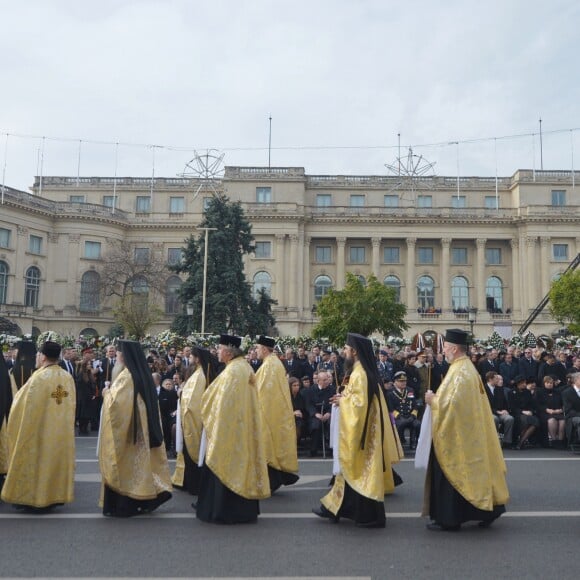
x: 533, y: 393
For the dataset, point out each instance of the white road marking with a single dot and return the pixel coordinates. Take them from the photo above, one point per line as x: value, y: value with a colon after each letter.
x: 268, y: 516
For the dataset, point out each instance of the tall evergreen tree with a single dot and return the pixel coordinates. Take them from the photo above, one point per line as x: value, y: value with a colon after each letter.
x: 230, y: 306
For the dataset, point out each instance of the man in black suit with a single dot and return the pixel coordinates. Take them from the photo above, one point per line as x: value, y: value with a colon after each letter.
x: 528, y: 364
x: 106, y: 366
x: 292, y: 365
x: 499, y: 403
x: 490, y: 363
x: 67, y: 363
x: 509, y: 370
x: 571, y: 400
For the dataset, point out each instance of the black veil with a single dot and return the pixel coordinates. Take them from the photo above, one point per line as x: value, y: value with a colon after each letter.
x: 209, y: 363
x: 5, y: 391
x: 25, y: 362
x: 366, y: 357
x: 143, y: 385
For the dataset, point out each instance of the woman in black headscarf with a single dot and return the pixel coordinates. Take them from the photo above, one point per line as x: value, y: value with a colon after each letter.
x: 187, y: 472
x: 132, y: 456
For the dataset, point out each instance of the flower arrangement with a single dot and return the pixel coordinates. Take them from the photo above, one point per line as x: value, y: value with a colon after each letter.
x: 48, y: 335
x: 8, y: 341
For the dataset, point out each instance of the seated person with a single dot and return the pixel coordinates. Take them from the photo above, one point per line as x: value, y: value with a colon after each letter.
x: 571, y: 401
x: 402, y: 403
x: 551, y: 413
x: 297, y: 405
x: 318, y: 406
x: 524, y: 408
x: 499, y: 403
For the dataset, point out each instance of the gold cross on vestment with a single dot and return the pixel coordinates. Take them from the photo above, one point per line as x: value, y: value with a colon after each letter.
x: 59, y: 395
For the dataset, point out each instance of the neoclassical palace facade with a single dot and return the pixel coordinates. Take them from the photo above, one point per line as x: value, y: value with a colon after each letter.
x: 445, y: 244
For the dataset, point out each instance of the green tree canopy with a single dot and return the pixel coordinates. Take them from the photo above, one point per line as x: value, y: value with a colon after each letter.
x: 230, y: 306
x: 360, y: 308
x: 565, y: 300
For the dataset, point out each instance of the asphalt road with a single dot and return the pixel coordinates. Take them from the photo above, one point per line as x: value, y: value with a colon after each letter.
x: 537, y: 538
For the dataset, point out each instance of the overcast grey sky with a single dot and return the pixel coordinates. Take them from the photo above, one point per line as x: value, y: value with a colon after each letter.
x: 335, y: 73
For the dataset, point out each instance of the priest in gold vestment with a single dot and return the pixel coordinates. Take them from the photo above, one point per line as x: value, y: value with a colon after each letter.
x: 187, y: 471
x: 466, y: 477
x: 41, y: 437
x: 279, y: 426
x: 132, y: 455
x: 235, y: 474
x: 5, y: 404
x: 367, y: 443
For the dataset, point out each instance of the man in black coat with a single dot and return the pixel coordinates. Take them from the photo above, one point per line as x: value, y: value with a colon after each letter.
x: 499, y: 402
x: 528, y: 364
x: 318, y: 406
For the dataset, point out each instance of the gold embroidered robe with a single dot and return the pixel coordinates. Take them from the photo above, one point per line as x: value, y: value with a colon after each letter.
x: 41, y: 440
x: 134, y: 470
x: 191, y: 425
x: 465, y: 439
x: 279, y: 426
x: 233, y: 424
x: 362, y: 469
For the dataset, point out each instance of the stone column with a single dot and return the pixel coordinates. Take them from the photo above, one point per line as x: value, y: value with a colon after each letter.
x: 444, y: 274
x: 292, y: 281
x: 306, y: 286
x: 532, y: 272
x: 376, y: 259
x: 411, y: 291
x: 73, y: 260
x: 544, y: 264
x: 577, y: 249
x: 20, y: 265
x: 480, y: 288
x: 340, y: 244
x: 280, y: 259
x: 516, y: 290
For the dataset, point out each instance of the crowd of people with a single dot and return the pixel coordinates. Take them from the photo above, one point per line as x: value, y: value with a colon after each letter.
x: 206, y: 407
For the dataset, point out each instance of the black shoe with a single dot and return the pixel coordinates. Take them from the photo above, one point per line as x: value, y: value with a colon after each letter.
x: 322, y: 512
x: 486, y: 523
x: 435, y: 527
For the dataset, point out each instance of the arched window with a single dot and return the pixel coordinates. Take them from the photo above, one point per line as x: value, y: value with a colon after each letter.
x: 172, y: 286
x: 90, y: 300
x: 32, y: 287
x: 322, y: 285
x: 459, y: 294
x: 494, y: 295
x: 394, y: 283
x: 425, y: 293
x: 88, y: 333
x: 3, y: 282
x: 262, y: 281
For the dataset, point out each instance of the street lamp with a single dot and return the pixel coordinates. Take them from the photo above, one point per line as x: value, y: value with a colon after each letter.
x: 189, y: 308
x: 472, y: 317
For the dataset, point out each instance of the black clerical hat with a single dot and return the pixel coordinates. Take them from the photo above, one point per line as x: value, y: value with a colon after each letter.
x: 267, y: 341
x: 456, y: 336
x: 230, y: 340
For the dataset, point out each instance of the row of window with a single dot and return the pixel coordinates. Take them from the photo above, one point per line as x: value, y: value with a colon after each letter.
x: 31, y: 285
x: 426, y: 299
x: 392, y: 254
x: 264, y: 195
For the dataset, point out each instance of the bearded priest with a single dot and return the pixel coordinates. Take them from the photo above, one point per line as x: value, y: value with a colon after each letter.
x: 279, y: 426
x: 41, y: 437
x: 367, y: 444
x: 132, y: 455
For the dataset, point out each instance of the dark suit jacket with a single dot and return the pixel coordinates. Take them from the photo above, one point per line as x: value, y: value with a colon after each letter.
x: 499, y: 401
x: 107, y: 371
x: 528, y: 369
x: 571, y: 403
x: 62, y: 365
x: 294, y: 368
